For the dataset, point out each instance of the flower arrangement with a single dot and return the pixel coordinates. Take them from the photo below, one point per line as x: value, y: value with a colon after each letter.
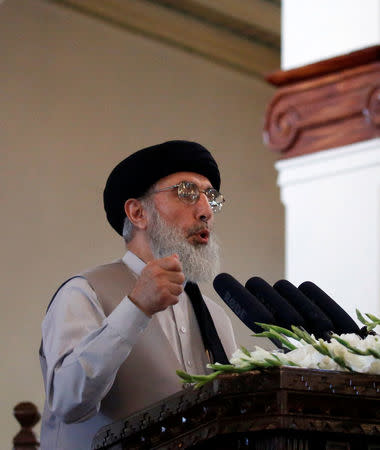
x: 347, y: 352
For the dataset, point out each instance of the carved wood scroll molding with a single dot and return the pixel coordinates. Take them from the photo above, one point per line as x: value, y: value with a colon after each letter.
x: 325, y: 105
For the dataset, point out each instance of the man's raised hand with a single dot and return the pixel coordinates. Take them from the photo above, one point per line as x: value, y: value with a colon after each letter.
x: 159, y: 285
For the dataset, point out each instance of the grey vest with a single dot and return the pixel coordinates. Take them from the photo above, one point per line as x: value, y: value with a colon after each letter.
x: 148, y: 374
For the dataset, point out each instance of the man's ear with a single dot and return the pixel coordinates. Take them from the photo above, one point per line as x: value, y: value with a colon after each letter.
x: 136, y: 213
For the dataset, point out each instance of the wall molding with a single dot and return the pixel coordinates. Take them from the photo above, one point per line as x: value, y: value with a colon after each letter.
x: 326, y: 67
x: 336, y: 108
x: 332, y: 162
x: 212, y: 29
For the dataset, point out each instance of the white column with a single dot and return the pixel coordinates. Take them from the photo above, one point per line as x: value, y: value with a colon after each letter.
x: 332, y: 201
x: 314, y: 30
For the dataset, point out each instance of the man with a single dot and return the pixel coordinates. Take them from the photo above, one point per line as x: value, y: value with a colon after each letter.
x: 114, y: 336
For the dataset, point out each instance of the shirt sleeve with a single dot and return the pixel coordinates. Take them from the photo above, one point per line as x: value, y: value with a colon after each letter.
x: 84, y: 349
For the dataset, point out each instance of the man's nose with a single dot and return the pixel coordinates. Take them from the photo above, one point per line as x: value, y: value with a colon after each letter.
x: 203, y: 208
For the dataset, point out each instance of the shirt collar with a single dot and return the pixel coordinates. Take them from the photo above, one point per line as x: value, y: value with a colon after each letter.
x: 133, y: 262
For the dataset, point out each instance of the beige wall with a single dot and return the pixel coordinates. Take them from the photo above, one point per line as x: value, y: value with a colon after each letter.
x: 77, y: 96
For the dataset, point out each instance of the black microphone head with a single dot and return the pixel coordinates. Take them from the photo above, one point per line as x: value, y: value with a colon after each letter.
x: 283, y: 312
x: 316, y: 321
x: 343, y: 323
x: 242, y: 302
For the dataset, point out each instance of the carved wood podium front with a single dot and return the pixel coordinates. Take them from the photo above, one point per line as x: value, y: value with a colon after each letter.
x: 282, y: 408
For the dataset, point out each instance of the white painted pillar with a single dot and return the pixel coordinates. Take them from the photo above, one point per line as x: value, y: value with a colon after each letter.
x: 332, y: 198
x: 332, y: 203
x: 314, y: 30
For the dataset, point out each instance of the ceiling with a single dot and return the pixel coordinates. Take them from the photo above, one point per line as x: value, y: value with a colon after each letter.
x: 243, y: 34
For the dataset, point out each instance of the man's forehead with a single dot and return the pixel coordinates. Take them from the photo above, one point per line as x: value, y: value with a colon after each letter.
x: 177, y: 177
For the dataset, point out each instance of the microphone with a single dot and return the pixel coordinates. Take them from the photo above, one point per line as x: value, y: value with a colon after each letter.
x: 343, y: 323
x: 284, y: 313
x: 316, y: 321
x: 245, y: 305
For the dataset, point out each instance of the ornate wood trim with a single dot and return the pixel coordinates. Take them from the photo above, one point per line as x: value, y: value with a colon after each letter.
x: 269, y: 407
x: 328, y: 66
x: 198, y: 26
x: 332, y: 105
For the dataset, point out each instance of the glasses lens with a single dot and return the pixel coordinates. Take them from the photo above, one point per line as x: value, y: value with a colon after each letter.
x: 188, y: 192
x: 215, y: 198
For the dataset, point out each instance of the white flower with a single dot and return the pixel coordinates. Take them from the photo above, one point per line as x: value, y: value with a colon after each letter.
x: 358, y: 363
x: 260, y: 354
x: 339, y: 357
x: 374, y: 368
x: 371, y: 341
x: 305, y: 356
x: 240, y: 359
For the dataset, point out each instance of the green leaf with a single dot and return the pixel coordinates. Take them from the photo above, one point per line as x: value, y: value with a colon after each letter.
x: 373, y: 318
x: 374, y: 353
x: 291, y: 363
x: 262, y: 334
x: 185, y: 376
x: 303, y: 335
x: 346, y: 344
x: 361, y: 318
x: 226, y: 368
x: 278, y: 329
x: 273, y: 362
x: 245, y: 351
x: 321, y: 348
x: 207, y: 379
x: 221, y: 366
x: 274, y: 335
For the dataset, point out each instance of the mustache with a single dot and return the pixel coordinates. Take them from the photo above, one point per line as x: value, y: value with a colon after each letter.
x: 195, y: 229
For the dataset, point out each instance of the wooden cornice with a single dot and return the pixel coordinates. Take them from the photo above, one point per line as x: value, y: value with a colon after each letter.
x: 325, y: 105
x: 226, y: 32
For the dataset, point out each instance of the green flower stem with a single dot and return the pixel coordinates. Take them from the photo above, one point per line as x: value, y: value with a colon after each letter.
x: 230, y: 368
x: 361, y: 318
x: 374, y: 353
x: 245, y: 351
x: 302, y: 334
x: 272, y: 360
x: 375, y: 321
x: 199, y: 380
x: 322, y: 348
x: 278, y: 336
x: 373, y: 318
x: 357, y: 351
x: 352, y: 349
x: 278, y: 329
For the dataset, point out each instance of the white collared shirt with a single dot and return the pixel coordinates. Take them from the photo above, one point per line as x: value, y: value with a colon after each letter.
x: 76, y: 331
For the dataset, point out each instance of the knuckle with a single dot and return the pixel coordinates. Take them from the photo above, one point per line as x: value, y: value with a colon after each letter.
x: 181, y: 278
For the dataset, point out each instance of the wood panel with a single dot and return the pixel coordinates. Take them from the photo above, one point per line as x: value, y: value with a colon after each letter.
x: 327, y: 110
x: 282, y: 408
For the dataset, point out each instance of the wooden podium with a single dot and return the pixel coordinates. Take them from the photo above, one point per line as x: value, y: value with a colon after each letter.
x: 277, y: 409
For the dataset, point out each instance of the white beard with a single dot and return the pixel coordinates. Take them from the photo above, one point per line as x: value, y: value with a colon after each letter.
x: 200, y: 262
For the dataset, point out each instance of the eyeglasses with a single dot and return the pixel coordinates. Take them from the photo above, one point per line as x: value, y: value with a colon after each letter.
x: 189, y: 193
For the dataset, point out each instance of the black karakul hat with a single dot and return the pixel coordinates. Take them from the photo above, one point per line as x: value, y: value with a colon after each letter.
x: 133, y: 176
